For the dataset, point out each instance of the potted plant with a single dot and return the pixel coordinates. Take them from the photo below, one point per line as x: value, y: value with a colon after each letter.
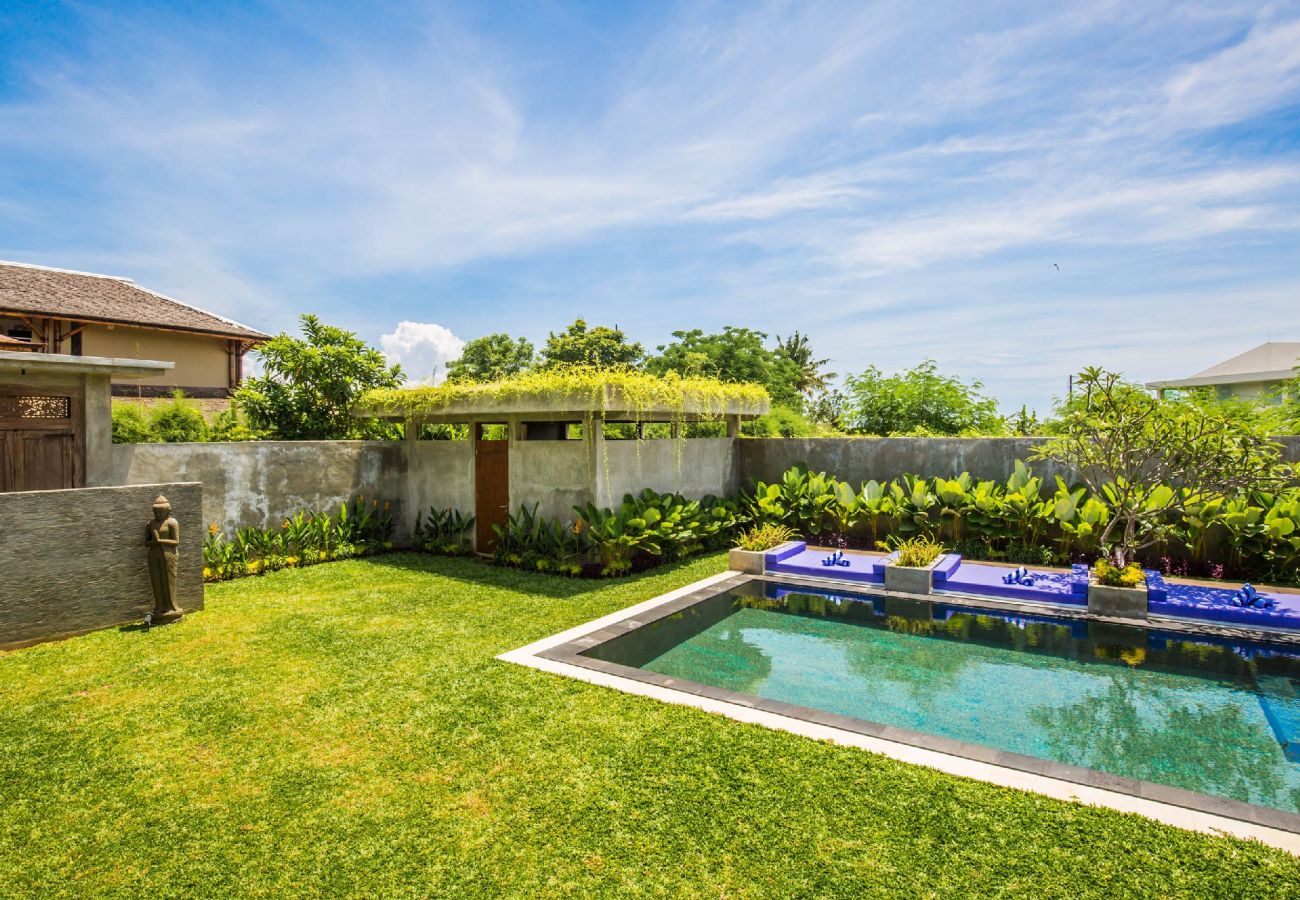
x: 1113, y: 591
x: 911, y: 568
x: 752, y: 546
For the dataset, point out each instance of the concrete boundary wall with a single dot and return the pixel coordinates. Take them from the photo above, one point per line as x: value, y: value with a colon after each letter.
x: 437, y: 474
x: 693, y: 468
x: 863, y: 459
x: 75, y: 560
x: 262, y: 482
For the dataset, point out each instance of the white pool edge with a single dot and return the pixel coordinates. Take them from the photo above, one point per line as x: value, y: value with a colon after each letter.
x: 1168, y: 814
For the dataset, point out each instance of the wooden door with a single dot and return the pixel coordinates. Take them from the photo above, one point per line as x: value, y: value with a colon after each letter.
x: 41, y: 446
x: 491, y: 484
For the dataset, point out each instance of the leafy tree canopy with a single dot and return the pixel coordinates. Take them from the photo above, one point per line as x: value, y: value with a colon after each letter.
x: 812, y: 377
x: 737, y: 354
x: 1130, y: 448
x: 310, y: 385
x: 492, y: 358
x: 919, y: 401
x: 827, y: 407
x: 602, y: 347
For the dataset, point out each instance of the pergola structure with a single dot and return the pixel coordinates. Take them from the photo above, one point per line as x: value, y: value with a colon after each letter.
x: 537, y: 453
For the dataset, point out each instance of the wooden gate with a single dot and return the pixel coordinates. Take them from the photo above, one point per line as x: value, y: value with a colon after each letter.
x: 491, y: 483
x: 41, y: 440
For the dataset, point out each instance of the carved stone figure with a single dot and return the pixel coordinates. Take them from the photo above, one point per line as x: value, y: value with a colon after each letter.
x: 163, y: 538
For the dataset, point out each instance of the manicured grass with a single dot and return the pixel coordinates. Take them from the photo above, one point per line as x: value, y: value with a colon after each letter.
x: 345, y: 730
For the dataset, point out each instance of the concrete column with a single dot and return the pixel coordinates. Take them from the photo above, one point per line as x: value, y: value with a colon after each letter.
x: 733, y: 426
x: 98, y: 435
x: 593, y: 433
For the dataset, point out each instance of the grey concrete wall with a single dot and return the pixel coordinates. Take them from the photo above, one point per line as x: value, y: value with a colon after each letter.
x: 557, y: 475
x: 261, y: 482
x: 439, y: 474
x: 1290, y: 449
x: 99, y: 431
x: 75, y: 560
x: 863, y: 459
x: 692, y: 468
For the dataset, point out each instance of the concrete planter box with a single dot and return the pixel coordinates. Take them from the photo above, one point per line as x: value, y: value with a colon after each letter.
x: 910, y: 580
x: 748, y: 561
x: 1122, y: 602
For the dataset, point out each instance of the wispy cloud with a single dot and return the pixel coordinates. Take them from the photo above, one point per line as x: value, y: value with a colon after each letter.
x: 883, y: 175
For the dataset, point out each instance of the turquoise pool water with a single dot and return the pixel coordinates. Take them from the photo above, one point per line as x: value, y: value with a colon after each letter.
x: 1218, y: 718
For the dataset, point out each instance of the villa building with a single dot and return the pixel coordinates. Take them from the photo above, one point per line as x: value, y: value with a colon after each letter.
x: 57, y: 311
x: 1250, y: 375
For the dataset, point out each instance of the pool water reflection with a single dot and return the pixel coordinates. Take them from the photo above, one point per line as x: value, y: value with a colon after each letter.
x: 1210, y: 716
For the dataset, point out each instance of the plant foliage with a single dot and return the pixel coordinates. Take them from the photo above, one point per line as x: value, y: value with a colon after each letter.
x: 916, y: 552
x: 765, y: 537
x: 492, y: 358
x: 306, y: 538
x: 600, y: 347
x: 576, y: 388
x: 311, y: 384
x: 1151, y: 461
x: 919, y: 401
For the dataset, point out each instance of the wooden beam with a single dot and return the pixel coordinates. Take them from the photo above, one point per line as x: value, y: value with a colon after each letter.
x: 197, y: 332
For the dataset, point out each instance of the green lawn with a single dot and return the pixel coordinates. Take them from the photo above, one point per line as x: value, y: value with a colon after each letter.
x: 345, y: 730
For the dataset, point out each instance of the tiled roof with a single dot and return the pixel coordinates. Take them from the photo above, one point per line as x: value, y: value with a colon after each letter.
x: 83, y: 296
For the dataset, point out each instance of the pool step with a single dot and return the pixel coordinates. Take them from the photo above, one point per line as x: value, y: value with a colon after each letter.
x: 1280, y: 701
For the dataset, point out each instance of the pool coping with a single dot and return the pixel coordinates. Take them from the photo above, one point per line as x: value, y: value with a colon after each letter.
x: 562, y: 654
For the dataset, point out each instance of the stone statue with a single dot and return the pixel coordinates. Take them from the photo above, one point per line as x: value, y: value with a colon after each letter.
x: 163, y: 538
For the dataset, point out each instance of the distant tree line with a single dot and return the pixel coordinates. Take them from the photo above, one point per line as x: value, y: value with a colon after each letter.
x: 310, y: 384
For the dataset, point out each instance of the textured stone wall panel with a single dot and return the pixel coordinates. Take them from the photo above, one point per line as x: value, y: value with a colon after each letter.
x: 74, y: 561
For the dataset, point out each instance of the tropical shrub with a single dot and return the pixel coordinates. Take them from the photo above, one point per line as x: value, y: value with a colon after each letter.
x: 130, y: 426
x: 529, y: 541
x: 227, y: 425
x: 303, y: 539
x: 310, y: 385
x: 916, y: 552
x: 178, y: 421
x: 1130, y: 576
x: 446, y: 531
x: 765, y: 537
x: 644, y: 529
x: 1253, y: 535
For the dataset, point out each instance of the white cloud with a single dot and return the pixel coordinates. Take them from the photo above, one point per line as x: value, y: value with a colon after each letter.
x: 423, y: 349
x: 1260, y: 72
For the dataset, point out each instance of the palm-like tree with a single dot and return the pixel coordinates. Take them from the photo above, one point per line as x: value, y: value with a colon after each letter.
x: 798, y: 349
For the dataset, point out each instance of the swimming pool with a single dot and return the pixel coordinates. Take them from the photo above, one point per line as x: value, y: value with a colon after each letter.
x: 1146, y: 707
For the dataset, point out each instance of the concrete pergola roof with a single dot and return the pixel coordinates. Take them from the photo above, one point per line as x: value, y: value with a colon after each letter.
x: 561, y: 408
x: 64, y: 364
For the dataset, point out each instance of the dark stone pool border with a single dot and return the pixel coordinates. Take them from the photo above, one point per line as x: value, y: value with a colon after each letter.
x: 572, y: 653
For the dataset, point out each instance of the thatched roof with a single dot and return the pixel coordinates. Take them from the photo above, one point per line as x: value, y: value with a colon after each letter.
x: 86, y: 297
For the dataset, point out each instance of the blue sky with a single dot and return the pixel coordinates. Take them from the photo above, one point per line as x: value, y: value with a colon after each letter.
x: 899, y: 181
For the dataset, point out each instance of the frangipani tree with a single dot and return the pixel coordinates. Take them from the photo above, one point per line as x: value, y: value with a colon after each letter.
x: 1153, y: 460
